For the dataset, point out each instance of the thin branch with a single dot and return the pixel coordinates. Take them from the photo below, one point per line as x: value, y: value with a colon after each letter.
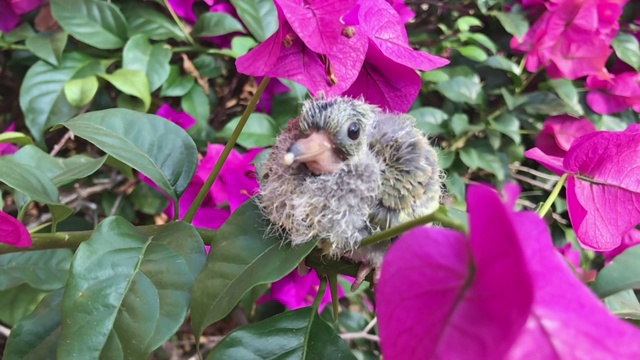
x: 533, y: 182
x: 537, y: 173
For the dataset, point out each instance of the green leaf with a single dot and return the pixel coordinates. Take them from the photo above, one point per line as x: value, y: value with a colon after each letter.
x: 48, y: 46
x: 509, y: 125
x: 462, y: 89
x: 260, y: 17
x: 544, y: 103
x: 143, y: 19
x: 148, y: 200
x: 430, y: 120
x: 18, y: 302
x: 158, y: 148
x: 36, y: 336
x: 259, y: 131
x: 515, y: 24
x: 176, y: 84
x: 196, y: 104
x: 624, y: 304
x: 216, y: 24
x: 42, y: 97
x: 627, y: 49
x: 479, y: 154
x: 298, y: 334
x: 60, y: 171
x: 21, y: 33
x: 567, y: 91
x: 153, y: 60
x: 464, y: 23
x: 481, y: 39
x: 16, y: 138
x: 94, y: 22
x: 148, y: 279
x: 131, y: 82
x: 43, y: 270
x: 208, y: 66
x: 473, y: 52
x: 242, y: 256
x: 621, y: 274
x: 27, y: 179
x: 460, y: 125
x: 80, y: 92
x: 502, y: 63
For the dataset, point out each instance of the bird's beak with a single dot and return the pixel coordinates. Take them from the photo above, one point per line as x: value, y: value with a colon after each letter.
x: 316, y: 151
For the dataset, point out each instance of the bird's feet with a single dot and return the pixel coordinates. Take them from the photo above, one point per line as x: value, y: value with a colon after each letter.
x: 364, y: 270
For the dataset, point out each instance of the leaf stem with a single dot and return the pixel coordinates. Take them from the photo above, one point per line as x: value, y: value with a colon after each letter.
x: 225, y: 153
x: 320, y: 294
x: 333, y: 288
x: 179, y: 22
x: 552, y: 197
x: 436, y: 216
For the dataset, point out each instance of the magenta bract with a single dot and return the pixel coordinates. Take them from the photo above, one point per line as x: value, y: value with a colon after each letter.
x: 12, y: 232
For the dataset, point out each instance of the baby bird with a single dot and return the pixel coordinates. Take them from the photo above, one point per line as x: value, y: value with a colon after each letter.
x: 345, y: 170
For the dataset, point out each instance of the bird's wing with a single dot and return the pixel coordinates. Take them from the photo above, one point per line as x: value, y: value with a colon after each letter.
x: 411, y: 177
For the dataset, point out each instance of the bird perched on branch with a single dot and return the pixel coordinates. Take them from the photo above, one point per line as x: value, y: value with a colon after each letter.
x: 345, y: 170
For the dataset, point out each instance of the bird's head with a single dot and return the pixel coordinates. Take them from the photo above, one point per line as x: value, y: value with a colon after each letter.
x: 331, y: 131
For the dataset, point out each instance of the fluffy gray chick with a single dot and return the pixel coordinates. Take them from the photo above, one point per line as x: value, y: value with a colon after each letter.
x: 344, y: 170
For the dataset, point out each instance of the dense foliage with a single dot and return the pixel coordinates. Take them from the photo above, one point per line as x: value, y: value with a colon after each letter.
x: 134, y: 131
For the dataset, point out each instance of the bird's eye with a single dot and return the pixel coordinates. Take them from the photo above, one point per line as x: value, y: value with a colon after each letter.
x: 354, y: 131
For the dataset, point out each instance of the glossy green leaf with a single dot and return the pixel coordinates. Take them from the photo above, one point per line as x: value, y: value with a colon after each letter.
x: 36, y: 336
x: 94, y: 22
x: 430, y: 120
x: 28, y: 180
x: 148, y: 279
x: 298, y: 334
x: 148, y: 200
x: 43, y: 270
x: 196, y: 104
x: 79, y: 92
x: 502, y: 63
x: 623, y: 304
x: 60, y: 171
x: 462, y: 89
x: 216, y: 24
x: 509, y: 125
x: 464, y: 23
x: 460, y: 124
x: 16, y: 138
x: 543, y: 103
x: 42, y: 97
x: 481, y: 39
x: 515, y: 24
x: 18, y: 302
x: 241, y: 257
x: 621, y: 274
x: 48, y: 46
x: 567, y: 91
x: 479, y: 154
x: 260, y: 17
x: 148, y: 143
x: 131, y: 82
x: 259, y: 131
x: 144, y: 19
x: 208, y: 66
x: 627, y: 49
x: 473, y: 52
x: 176, y: 84
x: 153, y: 60
x: 21, y: 33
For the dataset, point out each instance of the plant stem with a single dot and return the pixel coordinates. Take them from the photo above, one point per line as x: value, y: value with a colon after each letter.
x: 436, y: 216
x: 179, y: 22
x: 225, y: 153
x: 320, y: 295
x: 73, y: 239
x: 552, y: 197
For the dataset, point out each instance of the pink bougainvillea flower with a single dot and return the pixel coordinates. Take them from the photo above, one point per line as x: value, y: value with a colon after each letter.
x: 179, y: 118
x: 632, y: 238
x: 405, y: 13
x: 572, y: 38
x: 388, y: 77
x: 12, y: 232
x: 8, y: 148
x: 235, y: 184
x: 573, y: 257
x: 555, y: 139
x: 10, y: 11
x: 295, y: 291
x: 273, y: 89
x: 184, y: 9
x: 223, y: 41
x: 323, y: 46
x: 603, y: 191
x: 490, y: 296
x: 428, y: 311
x: 614, y: 94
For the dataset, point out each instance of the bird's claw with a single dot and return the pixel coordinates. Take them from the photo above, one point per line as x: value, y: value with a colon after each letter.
x: 363, y: 271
